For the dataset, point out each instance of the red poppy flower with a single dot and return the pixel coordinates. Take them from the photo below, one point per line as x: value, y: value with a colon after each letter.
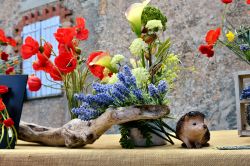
x: 11, y: 41
x: 31, y: 47
x: 8, y: 122
x: 2, y: 36
x: 2, y: 105
x: 81, y: 32
x: 10, y: 70
x: 66, y: 49
x: 226, y: 1
x: 248, y: 2
x: 54, y: 74
x: 65, y: 35
x: 97, y: 69
x: 207, y: 50
x: 3, y: 89
x: 66, y: 62
x: 212, y: 36
x: 41, y: 65
x: 45, y: 55
x: 4, y: 56
x: 34, y: 83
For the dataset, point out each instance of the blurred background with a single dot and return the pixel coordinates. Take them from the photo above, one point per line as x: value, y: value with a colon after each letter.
x: 209, y: 89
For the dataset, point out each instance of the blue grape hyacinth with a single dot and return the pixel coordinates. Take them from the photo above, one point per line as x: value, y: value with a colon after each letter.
x: 101, y: 88
x: 85, y: 112
x: 244, y: 47
x: 153, y: 91
x: 245, y: 94
x: 138, y: 94
x: 162, y: 87
x: 123, y: 93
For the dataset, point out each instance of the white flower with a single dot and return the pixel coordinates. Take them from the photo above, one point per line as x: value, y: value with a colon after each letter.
x: 133, y: 15
x: 141, y: 74
x: 113, y: 79
x: 154, y: 24
x: 116, y: 59
x: 137, y: 47
x: 133, y: 62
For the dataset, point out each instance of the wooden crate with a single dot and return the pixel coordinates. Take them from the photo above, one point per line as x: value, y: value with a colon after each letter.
x: 240, y: 81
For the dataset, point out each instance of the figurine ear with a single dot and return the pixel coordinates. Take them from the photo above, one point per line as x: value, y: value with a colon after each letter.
x: 186, y: 118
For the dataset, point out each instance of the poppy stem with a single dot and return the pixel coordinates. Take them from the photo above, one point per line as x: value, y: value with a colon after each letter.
x: 51, y: 48
x: 52, y: 87
x: 52, y: 80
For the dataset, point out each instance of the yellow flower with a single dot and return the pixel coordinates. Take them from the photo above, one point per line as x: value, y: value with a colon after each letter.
x: 230, y: 36
x: 133, y: 15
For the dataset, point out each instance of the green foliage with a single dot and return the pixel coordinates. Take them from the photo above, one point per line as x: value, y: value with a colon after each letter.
x: 125, y: 140
x: 166, y: 66
x: 146, y: 127
x: 153, y: 13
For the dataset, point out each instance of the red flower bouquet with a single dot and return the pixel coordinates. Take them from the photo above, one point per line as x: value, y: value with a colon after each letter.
x: 237, y: 39
x: 6, y: 123
x: 67, y: 67
x: 7, y: 63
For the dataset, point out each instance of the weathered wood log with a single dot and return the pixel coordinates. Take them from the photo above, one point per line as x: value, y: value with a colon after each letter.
x: 77, y: 133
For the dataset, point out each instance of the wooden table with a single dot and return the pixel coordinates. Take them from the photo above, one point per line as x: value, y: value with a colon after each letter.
x: 107, y: 152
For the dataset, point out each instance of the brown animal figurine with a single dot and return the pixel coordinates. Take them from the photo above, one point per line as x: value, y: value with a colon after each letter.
x: 192, y: 131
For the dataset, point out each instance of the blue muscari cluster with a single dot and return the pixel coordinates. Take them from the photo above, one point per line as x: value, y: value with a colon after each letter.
x: 244, y: 47
x: 162, y: 87
x: 245, y: 94
x: 123, y: 93
x: 85, y: 112
x: 158, y: 92
x: 138, y: 94
x: 153, y: 91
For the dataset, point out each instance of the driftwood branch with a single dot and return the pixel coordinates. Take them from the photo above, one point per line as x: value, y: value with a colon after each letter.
x: 77, y: 133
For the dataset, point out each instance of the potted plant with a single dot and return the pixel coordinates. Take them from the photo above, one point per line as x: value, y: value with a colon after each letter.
x: 12, y: 91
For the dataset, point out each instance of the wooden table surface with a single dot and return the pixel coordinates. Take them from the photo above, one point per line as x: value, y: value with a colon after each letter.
x: 107, y: 152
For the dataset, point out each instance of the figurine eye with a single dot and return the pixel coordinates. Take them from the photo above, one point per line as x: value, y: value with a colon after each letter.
x: 194, y: 123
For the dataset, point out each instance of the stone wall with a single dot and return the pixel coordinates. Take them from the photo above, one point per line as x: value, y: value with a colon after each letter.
x: 209, y: 89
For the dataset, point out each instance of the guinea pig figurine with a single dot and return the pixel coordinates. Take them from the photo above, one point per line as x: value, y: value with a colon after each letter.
x: 192, y: 130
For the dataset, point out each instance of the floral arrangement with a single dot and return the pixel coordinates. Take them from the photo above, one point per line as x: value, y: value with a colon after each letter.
x: 149, y: 81
x: 8, y: 64
x: 6, y: 123
x: 154, y: 70
x: 68, y: 69
x: 235, y: 39
x: 69, y: 66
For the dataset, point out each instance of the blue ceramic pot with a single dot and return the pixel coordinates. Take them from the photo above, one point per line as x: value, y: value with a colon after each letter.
x: 13, y: 101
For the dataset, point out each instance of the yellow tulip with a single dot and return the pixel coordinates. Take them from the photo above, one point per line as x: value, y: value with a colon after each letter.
x: 230, y: 36
x: 133, y: 15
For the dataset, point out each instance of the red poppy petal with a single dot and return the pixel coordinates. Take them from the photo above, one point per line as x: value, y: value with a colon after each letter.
x: 80, y: 22
x: 82, y: 34
x: 3, y: 89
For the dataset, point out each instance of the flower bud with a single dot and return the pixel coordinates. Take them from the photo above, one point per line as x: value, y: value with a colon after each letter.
x: 34, y: 83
